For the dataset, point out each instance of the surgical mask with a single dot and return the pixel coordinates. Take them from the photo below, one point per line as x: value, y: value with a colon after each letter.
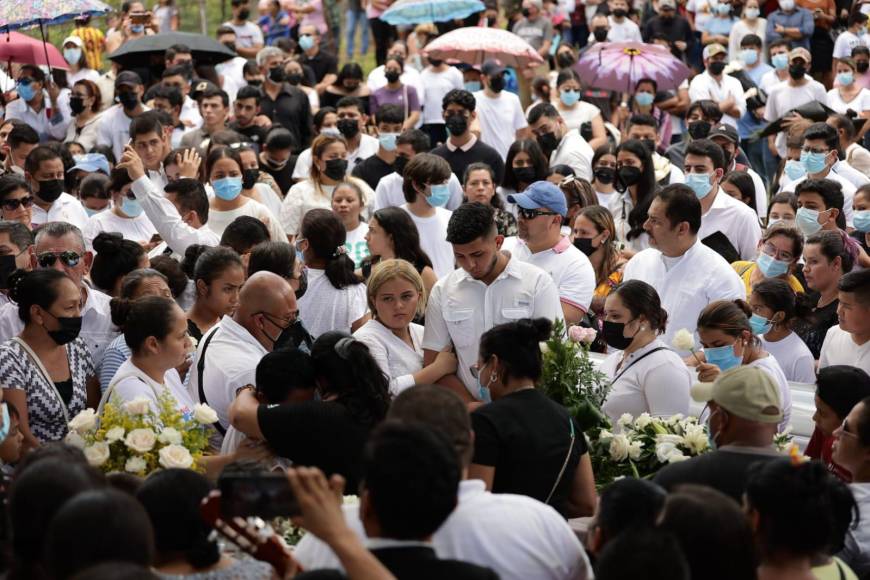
x: 700, y: 184
x: 388, y: 141
x: 749, y: 56
x: 49, y: 189
x: 70, y: 327
x: 723, y: 357
x: 330, y: 132
x: 569, y: 98
x: 131, y: 207
x: 845, y: 78
x: 813, y: 162
x: 807, y: 221
x: 76, y: 105
x: 779, y: 61
x: 786, y: 5
x: 336, y: 169
x: 524, y: 174
x: 585, y: 245
x: 93, y: 212
x: 613, y: 335
x: 699, y: 129
x: 249, y: 177
x: 137, y: 28
x: 72, y: 55
x: 861, y: 220
x: 483, y: 392
x: 439, y: 195
x: 228, y: 188
x: 770, y: 266
x: 472, y: 86
x: 751, y: 14
x: 795, y: 169
x: 759, y: 324
x: 711, y: 438
x: 644, y: 99
x: 26, y: 91
x: 723, y: 8
x: 4, y: 429
x: 306, y: 42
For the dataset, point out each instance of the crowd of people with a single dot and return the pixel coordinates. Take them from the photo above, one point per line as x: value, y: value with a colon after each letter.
x: 355, y: 268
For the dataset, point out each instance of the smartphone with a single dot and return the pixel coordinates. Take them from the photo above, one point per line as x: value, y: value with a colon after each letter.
x: 265, y: 495
x: 7, y: 266
x: 140, y: 17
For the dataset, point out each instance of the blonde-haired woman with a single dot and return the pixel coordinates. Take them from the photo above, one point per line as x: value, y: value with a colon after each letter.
x: 594, y: 236
x: 328, y: 169
x: 395, y: 296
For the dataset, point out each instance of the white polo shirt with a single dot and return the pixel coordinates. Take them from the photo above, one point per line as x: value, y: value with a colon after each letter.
x: 65, y: 208
x: 845, y: 185
x: 569, y: 268
x: 389, y: 192
x: 461, y: 309
x: 575, y: 152
x: 705, y: 86
x: 433, y: 239
x: 139, y: 229
x: 687, y: 284
x: 840, y: 348
x: 736, y: 220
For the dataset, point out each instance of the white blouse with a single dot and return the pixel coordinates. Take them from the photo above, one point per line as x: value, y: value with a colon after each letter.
x: 324, y: 307
x: 130, y: 382
x: 397, y: 359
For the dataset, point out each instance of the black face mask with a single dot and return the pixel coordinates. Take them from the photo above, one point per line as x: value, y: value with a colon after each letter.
x: 348, y: 127
x: 605, y: 175
x: 399, y: 164
x: 336, y: 169
x: 526, y: 12
x: 303, y: 283
x: 294, y: 79
x: 627, y: 176
x: 565, y: 59
x: 49, y: 189
x: 435, y: 61
x: 129, y: 100
x: 584, y: 245
x: 496, y: 83
x: 293, y: 337
x: 276, y: 74
x: 699, y: 129
x: 255, y: 83
x: 797, y: 71
x: 244, y: 13
x: 456, y: 124
x: 716, y: 67
x: 620, y: 13
x: 70, y: 327
x: 249, y: 178
x: 76, y: 105
x: 649, y: 145
x: 548, y: 143
x: 612, y: 333
x: 525, y: 174
x: 600, y: 34
x: 862, y: 66
x: 392, y: 76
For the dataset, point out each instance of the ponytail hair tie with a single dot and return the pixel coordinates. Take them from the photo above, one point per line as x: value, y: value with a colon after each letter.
x: 342, y: 347
x: 339, y: 251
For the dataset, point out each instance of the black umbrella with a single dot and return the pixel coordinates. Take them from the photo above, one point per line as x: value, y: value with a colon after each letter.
x: 137, y: 52
x: 814, y: 111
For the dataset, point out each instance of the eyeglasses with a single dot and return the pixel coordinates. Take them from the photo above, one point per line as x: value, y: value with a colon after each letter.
x: 530, y: 214
x: 69, y: 259
x: 775, y: 252
x: 13, y: 204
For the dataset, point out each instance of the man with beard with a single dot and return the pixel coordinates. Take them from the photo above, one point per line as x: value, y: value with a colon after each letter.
x: 560, y: 145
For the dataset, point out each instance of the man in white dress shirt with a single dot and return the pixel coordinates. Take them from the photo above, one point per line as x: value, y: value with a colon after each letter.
x: 717, y: 86
x: 541, y: 209
x: 489, y: 288
x: 687, y: 274
x: 560, y: 145
x: 43, y: 168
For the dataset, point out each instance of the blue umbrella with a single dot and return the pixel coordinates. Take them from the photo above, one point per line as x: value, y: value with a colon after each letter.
x: 406, y: 12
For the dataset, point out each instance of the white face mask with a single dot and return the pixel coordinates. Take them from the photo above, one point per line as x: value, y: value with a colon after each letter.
x: 786, y: 5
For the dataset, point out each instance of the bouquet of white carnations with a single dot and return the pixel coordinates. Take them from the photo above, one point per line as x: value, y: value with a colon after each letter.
x: 131, y: 437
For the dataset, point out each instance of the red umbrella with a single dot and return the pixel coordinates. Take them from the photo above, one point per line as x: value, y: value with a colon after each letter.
x: 474, y: 45
x: 23, y: 49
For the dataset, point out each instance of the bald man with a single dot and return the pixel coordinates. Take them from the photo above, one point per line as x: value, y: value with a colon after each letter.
x: 227, y: 356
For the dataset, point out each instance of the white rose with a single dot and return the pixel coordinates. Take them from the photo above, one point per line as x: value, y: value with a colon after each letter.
x: 115, y: 434
x: 696, y: 439
x: 84, y: 421
x: 642, y: 421
x: 619, y: 447
x: 544, y: 348
x: 170, y: 436
x: 670, y: 438
x: 97, y: 454
x: 135, y: 465
x: 683, y: 340
x: 138, y: 406
x: 625, y: 419
x: 664, y: 451
x: 75, y: 440
x: 175, y: 456
x: 634, y: 450
x: 204, y: 414
x: 141, y: 440
x: 676, y: 456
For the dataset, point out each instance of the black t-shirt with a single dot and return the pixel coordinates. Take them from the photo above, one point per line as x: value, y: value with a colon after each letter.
x: 726, y: 470
x: 254, y: 133
x: 526, y: 437
x: 813, y: 329
x: 322, y: 434
x: 321, y: 64
x: 284, y: 176
x: 372, y: 170
x: 480, y: 152
x: 291, y: 110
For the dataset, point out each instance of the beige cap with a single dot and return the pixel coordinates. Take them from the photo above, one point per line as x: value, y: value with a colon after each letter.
x: 799, y: 52
x: 748, y: 392
x: 712, y: 50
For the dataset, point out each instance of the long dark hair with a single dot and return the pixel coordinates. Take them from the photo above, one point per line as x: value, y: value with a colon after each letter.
x: 539, y: 162
x: 516, y: 344
x: 646, y: 187
x: 406, y: 239
x: 346, y: 368
x: 326, y: 236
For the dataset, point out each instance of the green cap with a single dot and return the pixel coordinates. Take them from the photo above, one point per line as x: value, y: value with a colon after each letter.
x: 748, y: 392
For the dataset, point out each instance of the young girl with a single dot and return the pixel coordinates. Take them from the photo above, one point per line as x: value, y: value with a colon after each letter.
x: 604, y: 173
x: 348, y: 202
x: 774, y: 309
x: 218, y: 275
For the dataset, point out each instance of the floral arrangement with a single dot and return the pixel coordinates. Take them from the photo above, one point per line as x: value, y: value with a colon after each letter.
x: 293, y: 534
x: 132, y: 437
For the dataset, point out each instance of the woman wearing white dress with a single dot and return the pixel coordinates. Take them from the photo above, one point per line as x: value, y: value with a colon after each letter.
x: 395, y: 296
x: 847, y: 94
x: 646, y: 375
x: 774, y: 308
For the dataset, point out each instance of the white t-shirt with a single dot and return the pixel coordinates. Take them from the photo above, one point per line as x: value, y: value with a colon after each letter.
x: 114, y: 129
x: 703, y: 10
x: 397, y: 359
x: 437, y: 85
x: 357, y: 247
x: 704, y: 86
x: 840, y: 349
x: 771, y: 367
x: 625, y: 31
x: 500, y: 118
x: 582, y: 112
x: 324, y: 307
x: 859, y: 104
x: 844, y: 44
x: 433, y: 239
x: 139, y: 229
x: 248, y: 35
x: 389, y: 192
x: 794, y: 357
x: 219, y: 220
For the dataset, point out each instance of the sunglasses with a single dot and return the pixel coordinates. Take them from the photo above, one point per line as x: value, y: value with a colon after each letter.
x: 13, y: 204
x: 530, y: 214
x: 69, y: 259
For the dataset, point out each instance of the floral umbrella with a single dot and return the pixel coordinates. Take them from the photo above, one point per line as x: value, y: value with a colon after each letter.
x: 15, y: 14
x: 475, y: 45
x: 406, y: 12
x: 618, y: 66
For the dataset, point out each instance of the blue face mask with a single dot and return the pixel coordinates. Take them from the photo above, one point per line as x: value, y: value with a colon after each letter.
x: 700, y: 184
x: 644, y: 99
x: 813, y: 162
x: 137, y: 28
x: 4, y: 428
x: 795, y: 169
x: 569, y: 98
x: 93, y: 212
x: 483, y: 392
x: 388, y: 141
x: 131, y: 207
x: 861, y: 220
x: 306, y: 42
x: 472, y: 86
x: 749, y: 56
x: 845, y: 78
x: 723, y: 357
x: 771, y: 267
x: 807, y: 221
x: 228, y: 188
x: 26, y: 91
x: 439, y: 195
x: 779, y: 61
x: 72, y: 55
x: 759, y: 324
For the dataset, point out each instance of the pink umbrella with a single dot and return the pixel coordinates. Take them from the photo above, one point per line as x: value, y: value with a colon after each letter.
x: 22, y: 49
x: 475, y: 45
x: 618, y: 66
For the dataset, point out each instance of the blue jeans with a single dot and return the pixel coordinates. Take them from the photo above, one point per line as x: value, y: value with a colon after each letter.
x: 354, y: 18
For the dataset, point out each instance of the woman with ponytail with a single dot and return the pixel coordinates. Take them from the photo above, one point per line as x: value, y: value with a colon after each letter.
x: 336, y: 297
x: 524, y: 442
x: 184, y: 542
x: 775, y: 309
x: 328, y: 433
